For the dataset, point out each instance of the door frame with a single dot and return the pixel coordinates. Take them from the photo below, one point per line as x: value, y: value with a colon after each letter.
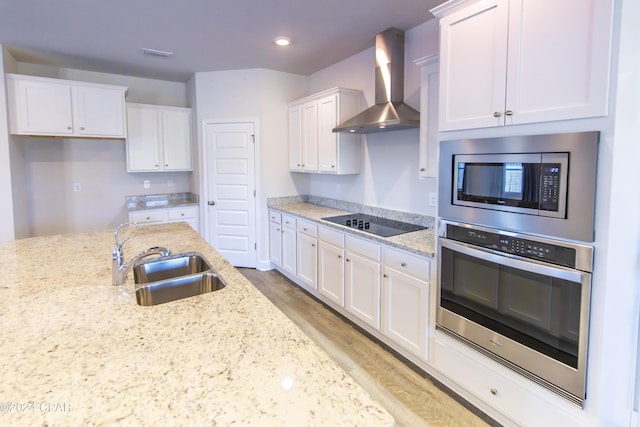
x: 204, y: 186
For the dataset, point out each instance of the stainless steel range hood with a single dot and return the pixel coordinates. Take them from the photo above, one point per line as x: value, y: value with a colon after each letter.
x: 389, y: 112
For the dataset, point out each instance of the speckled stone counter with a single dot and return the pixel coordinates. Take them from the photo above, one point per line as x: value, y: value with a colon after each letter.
x: 421, y: 242
x: 159, y: 201
x: 75, y: 350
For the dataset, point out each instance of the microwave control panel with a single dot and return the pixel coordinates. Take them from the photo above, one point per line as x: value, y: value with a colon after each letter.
x: 527, y: 248
x: 549, y: 186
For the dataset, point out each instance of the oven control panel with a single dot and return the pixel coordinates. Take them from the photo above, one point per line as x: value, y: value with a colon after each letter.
x: 527, y: 248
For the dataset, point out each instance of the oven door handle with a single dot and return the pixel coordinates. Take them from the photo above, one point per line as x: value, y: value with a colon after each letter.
x: 514, y: 261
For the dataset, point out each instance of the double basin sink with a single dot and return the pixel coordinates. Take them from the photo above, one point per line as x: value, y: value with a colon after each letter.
x: 166, y: 279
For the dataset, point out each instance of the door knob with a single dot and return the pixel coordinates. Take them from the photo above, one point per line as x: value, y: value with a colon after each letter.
x: 211, y: 203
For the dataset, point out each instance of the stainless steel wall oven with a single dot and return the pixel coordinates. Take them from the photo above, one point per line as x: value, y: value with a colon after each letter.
x: 514, y: 269
x: 523, y: 300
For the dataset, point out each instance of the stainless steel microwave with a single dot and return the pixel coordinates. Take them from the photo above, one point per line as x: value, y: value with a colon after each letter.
x: 539, y: 184
x: 528, y: 183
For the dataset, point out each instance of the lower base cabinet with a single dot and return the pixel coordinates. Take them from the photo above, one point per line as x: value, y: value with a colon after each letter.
x: 405, y: 299
x: 188, y: 214
x: 362, y: 286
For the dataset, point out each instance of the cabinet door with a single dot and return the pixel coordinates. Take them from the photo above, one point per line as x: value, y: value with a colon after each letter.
x: 429, y: 84
x: 176, y: 139
x: 275, y: 243
x: 473, y: 66
x: 327, y: 139
x: 558, y: 59
x: 43, y: 108
x: 143, y: 139
x: 404, y: 310
x: 295, y: 138
x: 289, y: 251
x: 310, y: 136
x: 99, y: 112
x: 331, y: 272
x: 363, y: 288
x: 307, y: 258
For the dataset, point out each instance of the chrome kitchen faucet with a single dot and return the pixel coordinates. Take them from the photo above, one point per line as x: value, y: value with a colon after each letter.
x: 120, y: 269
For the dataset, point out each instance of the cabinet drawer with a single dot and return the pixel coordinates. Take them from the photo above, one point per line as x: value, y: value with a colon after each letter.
x: 275, y: 216
x: 155, y: 215
x: 515, y: 397
x: 177, y: 214
x: 288, y: 221
x: 406, y: 262
x: 363, y: 247
x: 306, y: 227
x: 331, y: 236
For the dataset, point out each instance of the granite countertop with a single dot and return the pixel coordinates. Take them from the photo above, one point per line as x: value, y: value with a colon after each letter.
x: 75, y: 350
x: 160, y: 201
x: 420, y: 242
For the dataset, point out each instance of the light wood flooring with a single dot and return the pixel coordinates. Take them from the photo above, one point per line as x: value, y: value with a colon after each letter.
x: 409, y: 395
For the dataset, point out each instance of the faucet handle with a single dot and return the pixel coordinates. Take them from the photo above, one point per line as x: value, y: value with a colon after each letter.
x: 125, y: 224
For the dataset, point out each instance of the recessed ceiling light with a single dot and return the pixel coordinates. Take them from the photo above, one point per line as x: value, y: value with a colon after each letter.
x: 282, y: 41
x: 156, y: 52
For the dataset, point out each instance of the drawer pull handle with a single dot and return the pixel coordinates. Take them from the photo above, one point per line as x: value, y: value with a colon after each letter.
x: 385, y: 275
x: 494, y: 391
x: 404, y: 264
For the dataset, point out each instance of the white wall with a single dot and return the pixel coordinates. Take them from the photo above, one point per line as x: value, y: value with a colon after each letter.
x: 44, y: 170
x: 389, y: 168
x: 262, y: 95
x: 6, y: 196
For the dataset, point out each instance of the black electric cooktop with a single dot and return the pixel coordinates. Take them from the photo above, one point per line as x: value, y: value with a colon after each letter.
x: 375, y: 225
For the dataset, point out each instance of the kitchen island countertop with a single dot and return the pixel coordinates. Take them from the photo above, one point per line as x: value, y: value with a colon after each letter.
x: 76, y: 350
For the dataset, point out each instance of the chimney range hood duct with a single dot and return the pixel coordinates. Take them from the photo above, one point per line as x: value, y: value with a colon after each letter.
x: 389, y: 112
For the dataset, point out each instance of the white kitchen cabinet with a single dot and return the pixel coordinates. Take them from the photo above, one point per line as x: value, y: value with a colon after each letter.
x: 313, y: 146
x: 331, y: 265
x: 507, y: 62
x: 275, y: 237
x: 295, y: 138
x: 362, y: 280
x: 429, y: 87
x: 405, y: 299
x: 53, y: 107
x: 188, y: 214
x: 507, y: 392
x: 289, y: 244
x: 307, y: 253
x: 159, y: 138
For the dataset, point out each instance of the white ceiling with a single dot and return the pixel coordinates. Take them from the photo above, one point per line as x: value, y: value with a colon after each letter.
x: 204, y: 35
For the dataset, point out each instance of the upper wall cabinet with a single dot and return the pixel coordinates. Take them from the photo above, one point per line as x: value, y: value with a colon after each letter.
x: 429, y: 81
x: 51, y: 107
x: 159, y: 138
x: 507, y: 62
x: 313, y: 146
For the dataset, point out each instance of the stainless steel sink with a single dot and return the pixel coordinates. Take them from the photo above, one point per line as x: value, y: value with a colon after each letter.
x: 178, y: 288
x: 172, y: 278
x: 169, y: 267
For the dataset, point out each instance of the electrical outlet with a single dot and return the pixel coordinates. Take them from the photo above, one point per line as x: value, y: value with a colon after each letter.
x: 432, y: 199
x: 170, y: 183
x: 147, y: 183
x: 77, y: 187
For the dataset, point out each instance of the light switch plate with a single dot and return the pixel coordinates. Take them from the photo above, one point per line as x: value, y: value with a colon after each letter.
x: 147, y: 183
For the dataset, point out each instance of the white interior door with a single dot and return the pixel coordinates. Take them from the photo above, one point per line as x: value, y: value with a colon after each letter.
x: 231, y: 203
